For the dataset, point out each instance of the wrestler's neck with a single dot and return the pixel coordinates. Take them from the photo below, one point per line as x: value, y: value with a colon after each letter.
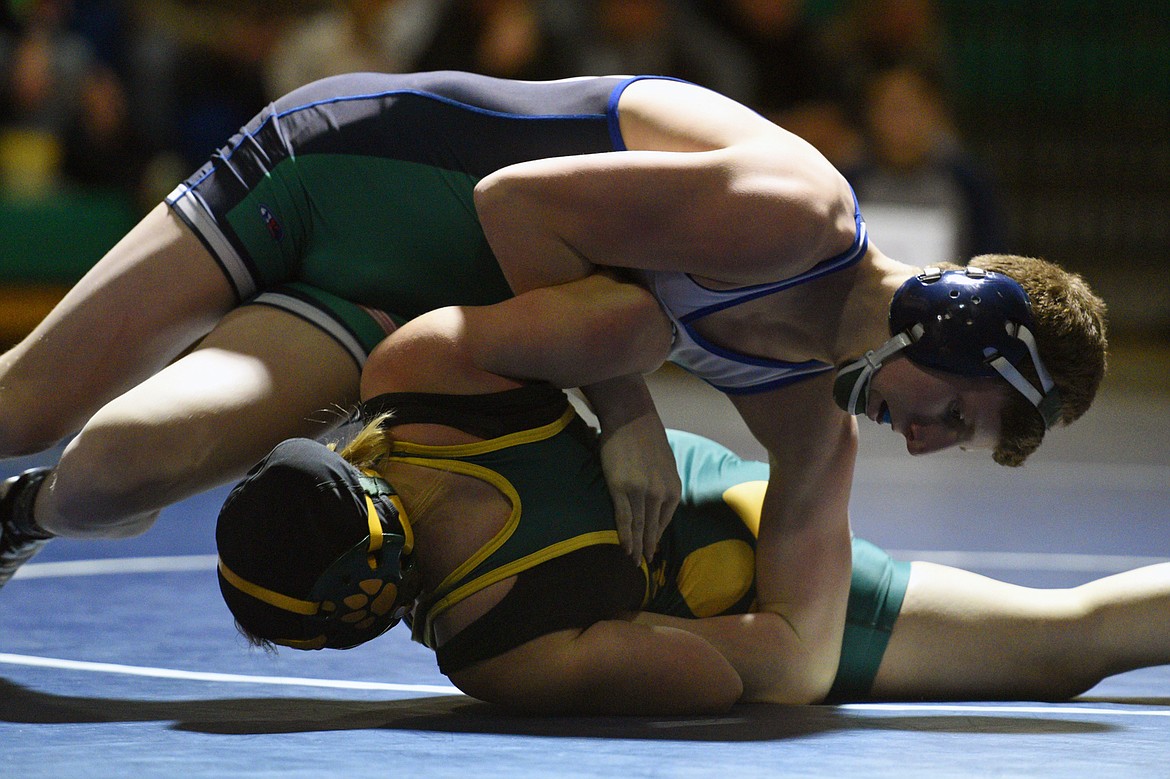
x: 865, y: 317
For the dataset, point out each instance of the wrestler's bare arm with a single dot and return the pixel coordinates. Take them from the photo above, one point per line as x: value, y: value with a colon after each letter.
x: 758, y: 211
x: 611, y: 667
x: 596, y: 333
x: 804, y: 556
x: 564, y: 335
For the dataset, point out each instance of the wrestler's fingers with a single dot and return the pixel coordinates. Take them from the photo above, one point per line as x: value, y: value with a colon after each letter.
x: 636, y: 530
x: 621, y: 517
x: 652, y: 533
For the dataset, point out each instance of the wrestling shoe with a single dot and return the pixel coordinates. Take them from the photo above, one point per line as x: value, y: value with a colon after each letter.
x: 20, y: 538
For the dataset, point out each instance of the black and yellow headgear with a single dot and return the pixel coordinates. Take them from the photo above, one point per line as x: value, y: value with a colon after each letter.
x: 314, y: 553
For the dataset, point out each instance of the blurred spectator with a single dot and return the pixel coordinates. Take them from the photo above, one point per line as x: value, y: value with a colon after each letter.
x: 789, y: 66
x: 9, y: 32
x: 106, y: 25
x: 829, y: 125
x: 102, y: 149
x: 794, y: 82
x: 662, y: 37
x: 44, y: 67
x: 46, y: 64
x: 504, y: 38
x: 868, y: 35
x: 924, y: 196
x: 8, y: 24
x: 203, y: 61
x: 356, y: 35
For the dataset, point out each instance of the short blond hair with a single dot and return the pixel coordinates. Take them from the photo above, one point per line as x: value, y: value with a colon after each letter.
x: 370, y: 446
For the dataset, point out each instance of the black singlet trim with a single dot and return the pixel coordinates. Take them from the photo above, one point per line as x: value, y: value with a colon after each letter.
x: 488, y: 416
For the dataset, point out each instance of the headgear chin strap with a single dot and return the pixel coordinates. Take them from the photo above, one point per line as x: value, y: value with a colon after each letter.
x: 968, y: 322
x: 851, y: 388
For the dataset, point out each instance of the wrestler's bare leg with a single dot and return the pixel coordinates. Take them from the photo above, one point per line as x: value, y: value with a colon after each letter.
x: 152, y: 296
x: 153, y: 432
x: 260, y: 376
x: 965, y: 636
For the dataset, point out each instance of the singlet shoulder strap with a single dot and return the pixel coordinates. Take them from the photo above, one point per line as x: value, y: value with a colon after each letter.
x: 487, y: 416
x: 709, y: 300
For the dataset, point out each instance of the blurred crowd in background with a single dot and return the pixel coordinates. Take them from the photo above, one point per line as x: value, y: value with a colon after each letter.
x: 136, y: 95
x: 128, y: 97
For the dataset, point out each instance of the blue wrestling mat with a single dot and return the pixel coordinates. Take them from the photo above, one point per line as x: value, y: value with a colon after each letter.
x: 119, y: 659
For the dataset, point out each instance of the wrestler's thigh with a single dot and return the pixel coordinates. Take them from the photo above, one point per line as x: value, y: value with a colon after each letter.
x: 262, y: 375
x: 270, y: 375
x: 961, y: 634
x: 153, y: 295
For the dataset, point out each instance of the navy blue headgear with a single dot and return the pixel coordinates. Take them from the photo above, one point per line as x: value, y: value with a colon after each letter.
x: 968, y: 322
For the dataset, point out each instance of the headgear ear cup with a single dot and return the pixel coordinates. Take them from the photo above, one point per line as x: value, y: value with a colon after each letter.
x: 851, y: 387
x: 367, y: 590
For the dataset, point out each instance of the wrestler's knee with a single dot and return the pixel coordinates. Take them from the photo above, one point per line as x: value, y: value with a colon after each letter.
x: 109, y: 483
x: 631, y: 310
x: 26, y: 426
x: 645, y: 320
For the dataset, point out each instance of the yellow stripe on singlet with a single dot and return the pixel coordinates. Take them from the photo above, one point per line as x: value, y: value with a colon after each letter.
x: 490, y: 445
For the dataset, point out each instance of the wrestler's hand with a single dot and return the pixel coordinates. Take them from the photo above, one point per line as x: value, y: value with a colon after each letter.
x: 639, y: 466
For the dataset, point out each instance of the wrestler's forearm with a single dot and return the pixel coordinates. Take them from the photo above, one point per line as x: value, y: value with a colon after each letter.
x: 760, y: 647
x: 803, y: 551
x: 572, y: 335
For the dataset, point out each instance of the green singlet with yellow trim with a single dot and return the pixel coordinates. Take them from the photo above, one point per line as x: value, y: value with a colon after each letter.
x: 560, y: 536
